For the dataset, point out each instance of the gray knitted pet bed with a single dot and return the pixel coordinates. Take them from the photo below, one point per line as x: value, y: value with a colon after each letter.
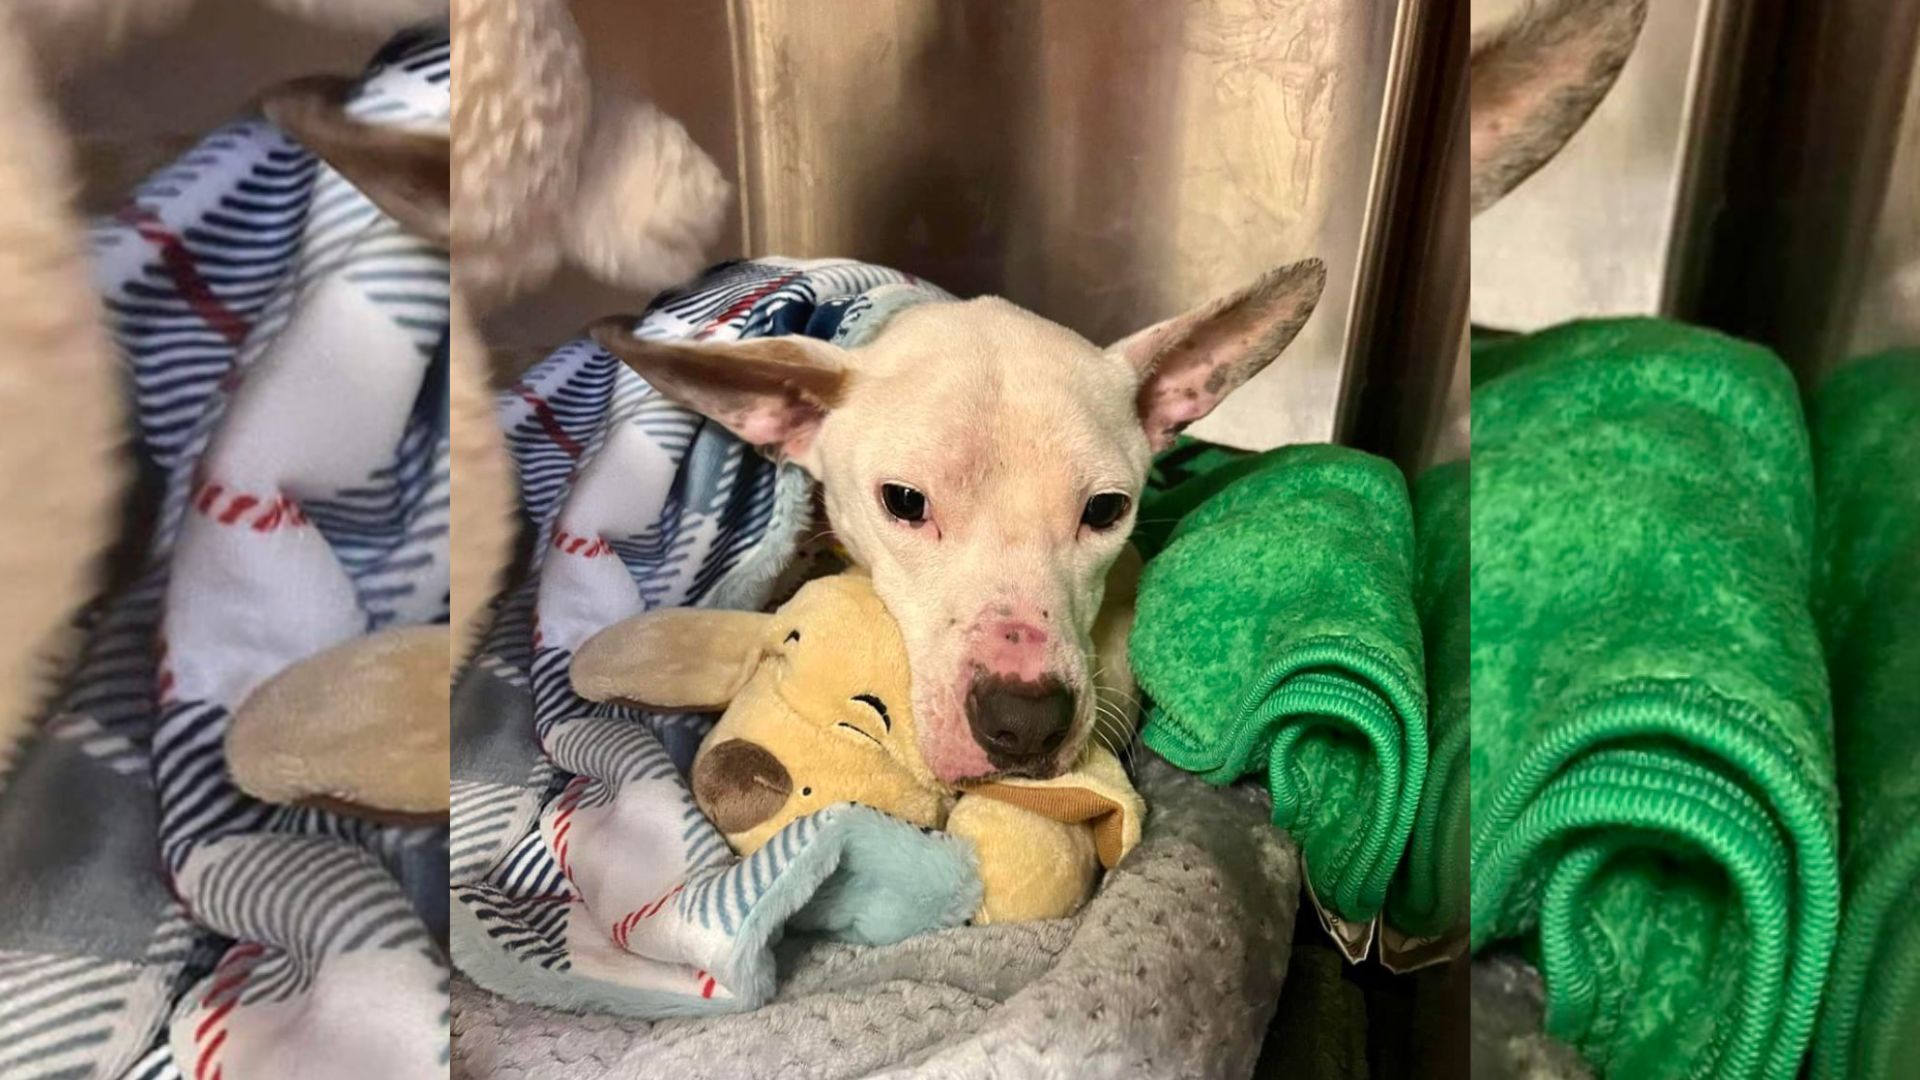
x: 1171, y: 970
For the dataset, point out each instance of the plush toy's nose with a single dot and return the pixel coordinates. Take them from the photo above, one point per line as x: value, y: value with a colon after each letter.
x: 739, y: 784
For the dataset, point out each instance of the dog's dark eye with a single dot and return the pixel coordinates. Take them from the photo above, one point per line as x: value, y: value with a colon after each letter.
x: 904, y: 503
x: 1104, y: 510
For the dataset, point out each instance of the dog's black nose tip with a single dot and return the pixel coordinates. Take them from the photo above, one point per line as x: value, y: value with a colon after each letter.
x: 1017, y: 723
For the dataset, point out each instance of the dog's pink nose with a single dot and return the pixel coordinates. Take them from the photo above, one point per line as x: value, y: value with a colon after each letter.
x: 1015, y: 649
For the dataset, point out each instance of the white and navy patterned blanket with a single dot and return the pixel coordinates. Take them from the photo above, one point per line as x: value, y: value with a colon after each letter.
x: 584, y: 876
x: 286, y: 352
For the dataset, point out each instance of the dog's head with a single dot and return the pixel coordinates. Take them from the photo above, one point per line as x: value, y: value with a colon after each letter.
x: 984, y: 464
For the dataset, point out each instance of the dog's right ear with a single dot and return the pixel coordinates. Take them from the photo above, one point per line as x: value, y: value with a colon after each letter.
x: 404, y: 173
x: 1536, y: 79
x: 774, y: 392
x: 1189, y: 363
x: 672, y: 658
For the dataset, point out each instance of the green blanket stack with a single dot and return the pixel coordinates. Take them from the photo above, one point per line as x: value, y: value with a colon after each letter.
x: 1653, y: 804
x: 1867, y: 598
x: 1276, y: 634
x: 1430, y: 899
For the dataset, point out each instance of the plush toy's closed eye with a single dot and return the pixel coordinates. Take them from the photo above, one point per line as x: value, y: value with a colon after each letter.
x: 879, y: 707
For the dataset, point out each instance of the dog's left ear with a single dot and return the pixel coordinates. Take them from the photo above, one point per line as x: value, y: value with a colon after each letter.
x: 404, y: 173
x: 1188, y: 363
x: 773, y: 392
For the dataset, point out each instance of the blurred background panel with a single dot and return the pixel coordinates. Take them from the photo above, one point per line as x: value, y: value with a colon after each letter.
x: 1106, y: 163
x: 135, y: 108
x: 1887, y: 311
x: 1756, y: 169
x: 1812, y: 242
x: 1591, y: 233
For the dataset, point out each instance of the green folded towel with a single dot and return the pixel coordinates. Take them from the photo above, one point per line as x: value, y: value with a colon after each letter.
x: 1653, y: 798
x: 1430, y: 897
x: 1184, y: 476
x: 1866, y: 443
x: 1275, y: 634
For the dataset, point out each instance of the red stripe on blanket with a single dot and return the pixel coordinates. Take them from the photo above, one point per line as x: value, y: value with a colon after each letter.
x: 206, y: 1057
x: 584, y: 546
x: 664, y: 899
x: 743, y: 305
x: 213, y: 1018
x: 232, y: 970
x: 240, y: 505
x: 562, y: 822
x: 624, y: 928
x: 238, y: 508
x: 228, y: 976
x: 186, y: 276
x: 549, y: 423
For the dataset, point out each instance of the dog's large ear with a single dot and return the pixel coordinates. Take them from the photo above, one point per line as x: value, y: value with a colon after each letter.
x: 773, y: 392
x: 673, y: 658
x: 404, y: 173
x: 1536, y: 79
x: 1188, y: 363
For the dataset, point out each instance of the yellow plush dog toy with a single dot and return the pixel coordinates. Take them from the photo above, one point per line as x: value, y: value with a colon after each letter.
x: 818, y: 712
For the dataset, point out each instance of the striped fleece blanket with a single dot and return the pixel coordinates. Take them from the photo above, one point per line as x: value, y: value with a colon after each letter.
x: 584, y: 876
x: 286, y: 350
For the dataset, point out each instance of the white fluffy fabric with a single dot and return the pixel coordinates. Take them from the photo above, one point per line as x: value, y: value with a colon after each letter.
x: 386, y: 16
x: 64, y: 30
x: 519, y: 121
x: 483, y: 494
x: 68, y: 28
x: 550, y: 168
x: 649, y: 202
x: 60, y: 398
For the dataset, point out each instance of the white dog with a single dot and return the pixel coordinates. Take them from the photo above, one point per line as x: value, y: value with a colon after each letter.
x: 983, y: 464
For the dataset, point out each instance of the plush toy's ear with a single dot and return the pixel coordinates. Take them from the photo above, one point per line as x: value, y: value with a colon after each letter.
x: 674, y: 658
x: 404, y: 173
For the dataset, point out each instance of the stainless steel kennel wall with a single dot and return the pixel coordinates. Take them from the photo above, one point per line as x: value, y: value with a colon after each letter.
x: 1757, y: 168
x: 1104, y: 162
